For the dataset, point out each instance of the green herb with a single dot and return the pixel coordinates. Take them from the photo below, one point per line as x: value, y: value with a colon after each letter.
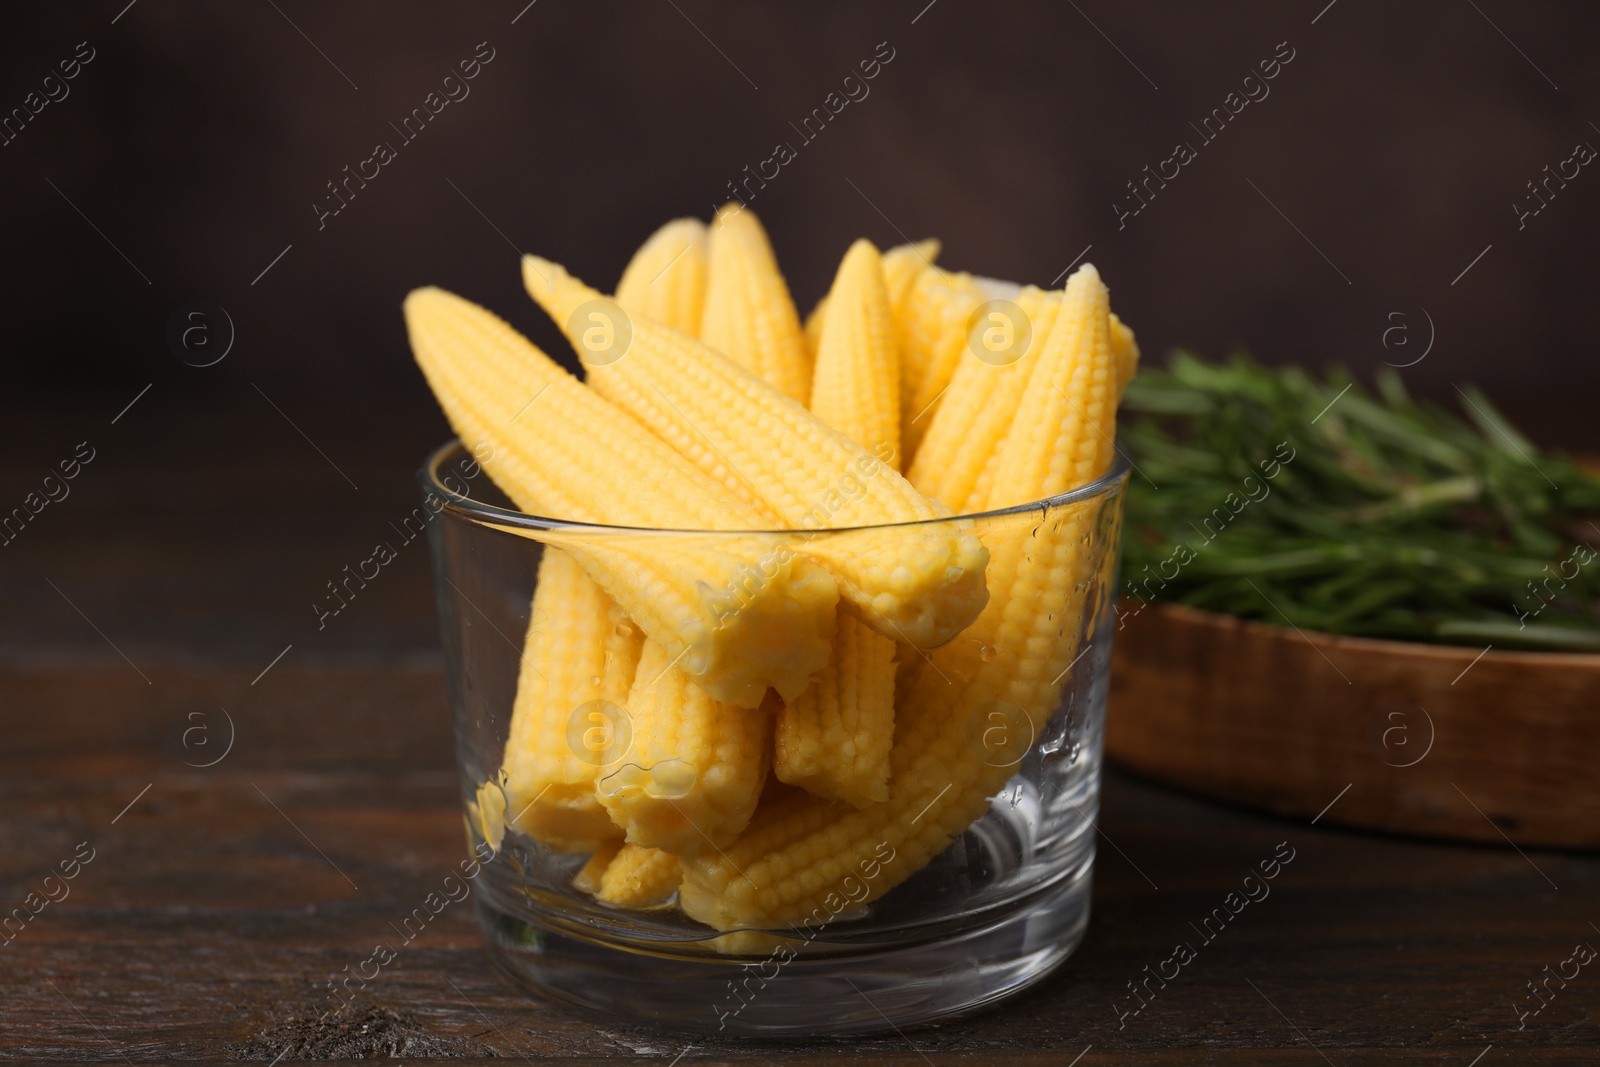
x: 1269, y: 494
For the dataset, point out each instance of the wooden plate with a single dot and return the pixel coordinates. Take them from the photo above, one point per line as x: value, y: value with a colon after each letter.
x: 1390, y: 735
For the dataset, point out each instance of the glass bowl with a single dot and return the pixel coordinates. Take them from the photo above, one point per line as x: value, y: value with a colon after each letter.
x: 906, y: 931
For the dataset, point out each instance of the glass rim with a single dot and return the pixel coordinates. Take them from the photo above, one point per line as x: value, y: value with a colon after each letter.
x: 485, y: 514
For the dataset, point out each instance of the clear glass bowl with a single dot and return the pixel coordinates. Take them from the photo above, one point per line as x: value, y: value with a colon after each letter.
x: 1004, y: 904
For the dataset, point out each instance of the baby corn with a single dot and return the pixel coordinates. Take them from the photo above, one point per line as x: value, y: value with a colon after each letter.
x: 695, y: 768
x: 577, y: 668
x: 566, y: 701
x: 901, y: 265
x: 639, y: 877
x: 813, y: 327
x: 923, y: 585
x: 834, y: 740
x: 976, y: 411
x: 933, y: 316
x: 749, y: 316
x: 1125, y: 350
x: 1125, y: 357
x: 856, y: 383
x: 1062, y: 435
x: 741, y: 614
x: 666, y: 279
x: 797, y: 860
x: 587, y: 880
x: 662, y: 676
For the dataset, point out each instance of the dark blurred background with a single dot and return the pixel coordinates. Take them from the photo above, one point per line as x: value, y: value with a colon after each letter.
x: 1371, y: 190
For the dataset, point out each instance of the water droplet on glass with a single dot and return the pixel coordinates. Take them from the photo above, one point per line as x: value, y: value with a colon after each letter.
x: 986, y: 653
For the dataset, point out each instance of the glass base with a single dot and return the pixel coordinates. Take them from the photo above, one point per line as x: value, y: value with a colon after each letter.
x: 806, y: 994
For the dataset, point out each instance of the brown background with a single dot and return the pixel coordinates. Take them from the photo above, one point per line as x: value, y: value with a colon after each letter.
x: 201, y: 134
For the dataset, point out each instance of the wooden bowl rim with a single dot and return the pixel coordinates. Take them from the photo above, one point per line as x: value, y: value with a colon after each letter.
x: 1377, y: 646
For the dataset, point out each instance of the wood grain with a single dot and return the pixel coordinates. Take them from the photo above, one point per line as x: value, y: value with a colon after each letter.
x: 1428, y: 739
x: 222, y: 900
x: 210, y: 919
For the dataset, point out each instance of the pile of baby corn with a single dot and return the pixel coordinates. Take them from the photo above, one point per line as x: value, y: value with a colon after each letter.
x: 743, y: 747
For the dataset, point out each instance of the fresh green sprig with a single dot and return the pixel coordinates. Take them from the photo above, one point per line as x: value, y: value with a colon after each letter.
x: 1270, y: 494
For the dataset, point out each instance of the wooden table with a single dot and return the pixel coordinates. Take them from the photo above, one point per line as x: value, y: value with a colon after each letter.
x: 220, y: 899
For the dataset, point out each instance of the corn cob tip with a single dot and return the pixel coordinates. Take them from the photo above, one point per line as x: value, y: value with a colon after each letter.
x: 666, y: 278
x: 856, y: 381
x: 639, y: 877
x: 677, y: 232
x: 421, y: 292
x: 674, y: 245
x: 588, y: 878
x: 730, y: 211
x: 927, y: 249
x: 1125, y: 350
x: 860, y: 259
x: 858, y: 248
x: 1061, y: 434
x: 600, y: 328
x: 749, y: 313
x: 903, y: 263
x: 1122, y: 334
x: 540, y: 275
x: 427, y: 299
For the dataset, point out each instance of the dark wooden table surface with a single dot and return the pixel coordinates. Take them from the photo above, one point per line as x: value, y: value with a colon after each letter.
x: 165, y: 608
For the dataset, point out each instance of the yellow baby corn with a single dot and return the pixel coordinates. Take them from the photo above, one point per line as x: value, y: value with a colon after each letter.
x: 901, y: 265
x: 1070, y: 401
x: 749, y: 316
x: 803, y: 856
x: 1125, y: 350
x: 977, y: 409
x: 581, y: 650
x: 1125, y: 357
x: 577, y: 668
x: 813, y: 326
x: 694, y: 770
x: 639, y: 877
x: 934, y: 316
x: 740, y: 614
x: 856, y: 383
x: 834, y: 740
x: 666, y: 278
x: 923, y: 585
x: 587, y: 880
x: 801, y: 860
